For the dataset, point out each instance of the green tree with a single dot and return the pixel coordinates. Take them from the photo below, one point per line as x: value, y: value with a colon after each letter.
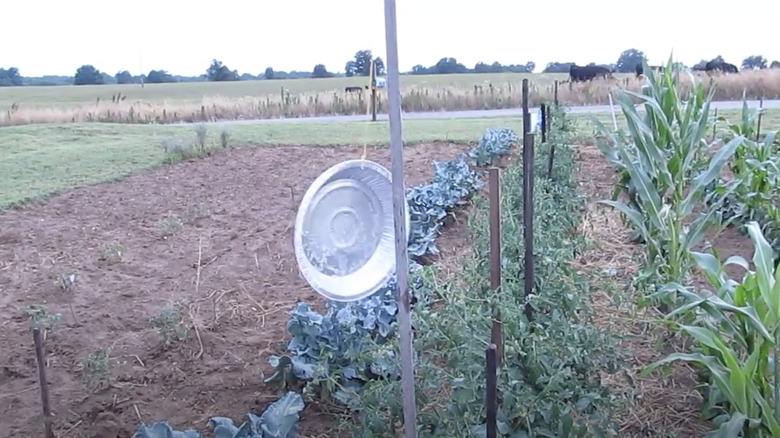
x: 269, y: 73
x: 628, y: 60
x: 159, y: 77
x: 124, y: 77
x: 360, y: 65
x: 320, y: 71
x: 754, y: 62
x: 218, y: 72
x: 10, y: 77
x: 88, y: 75
x: 558, y: 67
x: 447, y: 66
x: 379, y: 64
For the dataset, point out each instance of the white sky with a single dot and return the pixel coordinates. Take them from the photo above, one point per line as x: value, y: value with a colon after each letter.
x: 56, y: 37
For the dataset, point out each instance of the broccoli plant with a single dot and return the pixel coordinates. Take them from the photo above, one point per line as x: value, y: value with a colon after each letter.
x: 280, y: 420
x: 337, y: 352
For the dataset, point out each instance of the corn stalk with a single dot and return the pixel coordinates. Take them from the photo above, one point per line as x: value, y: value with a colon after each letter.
x: 737, y: 338
x: 665, y: 169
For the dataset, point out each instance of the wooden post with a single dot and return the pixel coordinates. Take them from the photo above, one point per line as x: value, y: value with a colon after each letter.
x: 528, y: 219
x: 550, y: 161
x: 40, y: 359
x: 491, y: 392
x: 760, y: 113
x: 543, y: 114
x: 494, y: 193
x: 549, y: 120
x: 373, y: 104
x: 555, y: 95
x: 526, y: 114
x: 399, y: 209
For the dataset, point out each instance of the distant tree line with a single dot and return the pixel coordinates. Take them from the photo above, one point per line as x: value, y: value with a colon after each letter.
x: 359, y: 65
x: 629, y: 59
x: 452, y: 66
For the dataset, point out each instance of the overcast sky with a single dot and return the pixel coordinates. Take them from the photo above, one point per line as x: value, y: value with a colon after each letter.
x: 56, y: 37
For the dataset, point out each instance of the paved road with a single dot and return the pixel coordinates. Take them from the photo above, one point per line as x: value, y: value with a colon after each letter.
x: 444, y: 115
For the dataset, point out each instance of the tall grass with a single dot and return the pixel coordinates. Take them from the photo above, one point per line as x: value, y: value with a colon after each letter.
x: 422, y: 97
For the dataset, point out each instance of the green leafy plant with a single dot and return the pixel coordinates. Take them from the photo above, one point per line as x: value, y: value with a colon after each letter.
x: 665, y: 170
x: 41, y: 318
x: 111, y: 253
x: 202, y: 132
x: 65, y: 282
x: 170, y: 324
x: 97, y: 367
x: 280, y: 420
x: 171, y: 225
x: 737, y: 334
x: 549, y: 381
x: 224, y: 137
x: 753, y: 192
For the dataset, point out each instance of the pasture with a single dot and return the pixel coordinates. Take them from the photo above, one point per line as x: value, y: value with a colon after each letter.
x: 158, y: 261
x: 210, y: 101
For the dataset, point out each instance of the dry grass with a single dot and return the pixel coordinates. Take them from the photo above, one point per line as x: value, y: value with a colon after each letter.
x: 185, y: 105
x: 659, y: 406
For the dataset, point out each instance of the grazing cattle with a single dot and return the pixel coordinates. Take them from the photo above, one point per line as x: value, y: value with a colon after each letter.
x: 775, y: 64
x: 355, y: 89
x: 641, y: 70
x: 588, y: 73
x: 723, y: 67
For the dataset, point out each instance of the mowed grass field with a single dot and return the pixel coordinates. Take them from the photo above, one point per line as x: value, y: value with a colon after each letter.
x: 40, y: 160
x: 265, y: 99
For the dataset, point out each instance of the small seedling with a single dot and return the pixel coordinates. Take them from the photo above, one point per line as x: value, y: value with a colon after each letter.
x: 42, y: 319
x: 65, y: 283
x: 175, y: 149
x: 111, y: 253
x: 198, y: 211
x: 202, y: 132
x: 171, y: 224
x: 170, y: 324
x: 97, y: 367
x: 224, y: 137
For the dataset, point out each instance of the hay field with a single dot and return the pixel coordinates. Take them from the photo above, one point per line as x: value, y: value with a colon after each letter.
x: 211, y: 101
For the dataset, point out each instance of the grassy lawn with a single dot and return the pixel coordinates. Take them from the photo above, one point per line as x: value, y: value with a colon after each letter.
x: 39, y: 160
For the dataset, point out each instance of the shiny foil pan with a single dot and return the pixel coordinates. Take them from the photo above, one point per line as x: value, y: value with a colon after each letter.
x: 344, y: 233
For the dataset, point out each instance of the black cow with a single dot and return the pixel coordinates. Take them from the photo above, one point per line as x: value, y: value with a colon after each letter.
x: 641, y: 70
x: 723, y: 67
x: 355, y: 89
x: 775, y: 64
x: 588, y: 73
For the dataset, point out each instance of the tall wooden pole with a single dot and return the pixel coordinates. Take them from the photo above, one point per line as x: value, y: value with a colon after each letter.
x: 399, y: 207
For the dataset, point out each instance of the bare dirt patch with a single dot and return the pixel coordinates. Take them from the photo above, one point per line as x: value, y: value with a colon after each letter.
x: 668, y: 406
x: 214, y: 234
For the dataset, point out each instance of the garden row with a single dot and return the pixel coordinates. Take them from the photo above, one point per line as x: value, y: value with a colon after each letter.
x: 325, y: 346
x: 677, y: 189
x: 346, y: 358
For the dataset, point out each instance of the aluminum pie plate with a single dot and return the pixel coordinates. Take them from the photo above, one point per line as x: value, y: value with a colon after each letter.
x: 344, y: 232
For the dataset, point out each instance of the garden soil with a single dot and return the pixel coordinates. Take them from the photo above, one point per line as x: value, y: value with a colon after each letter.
x: 214, y: 234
